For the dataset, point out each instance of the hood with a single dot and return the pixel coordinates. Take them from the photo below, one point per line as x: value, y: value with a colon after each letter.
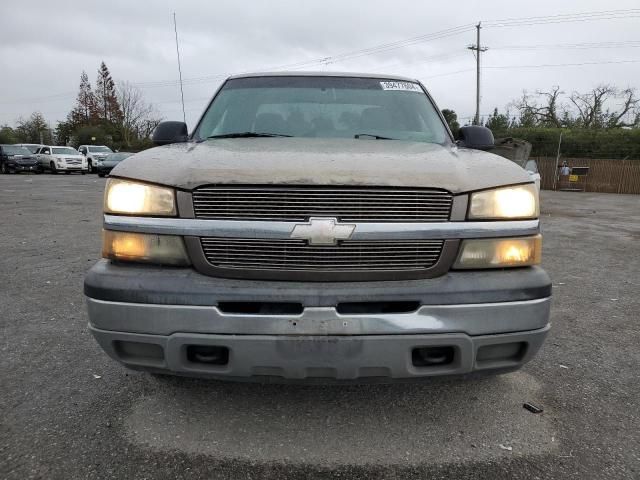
x: 311, y: 161
x: 64, y: 155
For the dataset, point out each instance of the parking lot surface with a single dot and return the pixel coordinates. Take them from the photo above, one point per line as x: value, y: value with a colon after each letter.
x: 69, y: 412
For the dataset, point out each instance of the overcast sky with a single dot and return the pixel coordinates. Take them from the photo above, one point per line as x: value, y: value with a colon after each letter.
x: 45, y: 45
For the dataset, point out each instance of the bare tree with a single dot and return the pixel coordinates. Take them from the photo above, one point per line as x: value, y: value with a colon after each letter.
x: 139, y: 118
x: 630, y: 106
x: 548, y: 113
x: 590, y: 105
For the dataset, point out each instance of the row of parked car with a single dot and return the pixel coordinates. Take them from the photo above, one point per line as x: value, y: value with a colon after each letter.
x: 31, y: 157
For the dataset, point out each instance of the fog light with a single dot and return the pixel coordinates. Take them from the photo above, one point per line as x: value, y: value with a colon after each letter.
x: 147, y: 248
x: 500, y: 252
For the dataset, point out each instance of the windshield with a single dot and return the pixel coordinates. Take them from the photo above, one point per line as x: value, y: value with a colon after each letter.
x: 15, y: 150
x: 64, y: 151
x: 99, y: 149
x: 117, y: 157
x: 32, y: 148
x: 323, y: 107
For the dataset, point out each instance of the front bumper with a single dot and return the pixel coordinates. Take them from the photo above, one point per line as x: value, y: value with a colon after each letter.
x: 149, y: 317
x: 20, y: 167
x: 62, y: 167
x: 104, y: 169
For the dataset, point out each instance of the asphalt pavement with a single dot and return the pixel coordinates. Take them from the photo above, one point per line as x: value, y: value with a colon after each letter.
x: 69, y: 412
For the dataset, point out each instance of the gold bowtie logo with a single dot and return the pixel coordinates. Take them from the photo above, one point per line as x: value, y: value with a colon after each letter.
x: 323, y: 231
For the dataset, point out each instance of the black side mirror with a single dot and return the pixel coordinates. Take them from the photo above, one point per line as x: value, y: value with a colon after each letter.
x: 475, y: 136
x: 170, y: 132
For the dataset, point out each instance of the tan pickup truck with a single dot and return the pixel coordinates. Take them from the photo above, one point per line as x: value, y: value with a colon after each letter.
x: 320, y: 227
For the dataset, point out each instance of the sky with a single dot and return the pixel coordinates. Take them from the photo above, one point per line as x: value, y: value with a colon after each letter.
x: 45, y: 46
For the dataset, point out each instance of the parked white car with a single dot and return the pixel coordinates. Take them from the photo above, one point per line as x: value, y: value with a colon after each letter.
x: 61, y: 159
x: 94, y: 154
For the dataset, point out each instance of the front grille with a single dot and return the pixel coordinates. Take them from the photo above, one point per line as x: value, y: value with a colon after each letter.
x: 73, y: 161
x: 298, y: 203
x: 297, y: 255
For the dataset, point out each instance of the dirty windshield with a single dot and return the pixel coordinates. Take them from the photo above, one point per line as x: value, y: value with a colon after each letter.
x: 323, y: 107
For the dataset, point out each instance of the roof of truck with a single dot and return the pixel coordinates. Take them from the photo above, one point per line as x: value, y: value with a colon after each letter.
x: 324, y: 74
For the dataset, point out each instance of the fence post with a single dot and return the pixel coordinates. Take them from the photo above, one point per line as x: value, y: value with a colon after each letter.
x: 555, y: 167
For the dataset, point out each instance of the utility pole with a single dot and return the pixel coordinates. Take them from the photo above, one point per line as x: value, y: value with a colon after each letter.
x: 477, y: 49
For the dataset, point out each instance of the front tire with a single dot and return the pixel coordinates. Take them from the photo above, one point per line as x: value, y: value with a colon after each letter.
x: 52, y: 167
x: 90, y: 166
x: 4, y: 169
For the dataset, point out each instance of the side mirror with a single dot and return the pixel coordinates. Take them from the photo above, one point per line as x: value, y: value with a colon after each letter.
x: 170, y: 132
x: 477, y: 137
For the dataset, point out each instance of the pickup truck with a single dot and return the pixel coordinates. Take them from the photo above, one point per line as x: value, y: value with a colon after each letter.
x: 320, y: 227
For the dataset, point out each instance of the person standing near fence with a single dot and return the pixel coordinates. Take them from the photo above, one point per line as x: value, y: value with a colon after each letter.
x: 565, y: 171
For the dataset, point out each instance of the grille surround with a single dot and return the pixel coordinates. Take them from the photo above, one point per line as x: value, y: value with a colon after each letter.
x: 299, y: 203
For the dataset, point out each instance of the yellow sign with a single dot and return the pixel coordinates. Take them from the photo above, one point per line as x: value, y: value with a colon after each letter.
x: 573, y: 178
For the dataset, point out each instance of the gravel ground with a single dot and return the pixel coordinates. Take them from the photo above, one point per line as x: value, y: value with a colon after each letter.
x: 70, y: 412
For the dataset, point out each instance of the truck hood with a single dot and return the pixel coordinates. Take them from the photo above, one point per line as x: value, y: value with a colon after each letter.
x: 314, y: 161
x: 64, y: 156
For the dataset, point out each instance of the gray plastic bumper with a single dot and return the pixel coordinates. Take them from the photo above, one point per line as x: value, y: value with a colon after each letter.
x: 327, y: 357
x: 149, y: 318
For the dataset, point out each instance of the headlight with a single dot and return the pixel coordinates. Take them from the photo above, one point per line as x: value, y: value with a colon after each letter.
x: 500, y: 252
x: 99, y: 163
x: 146, y: 248
x: 123, y: 196
x: 520, y: 201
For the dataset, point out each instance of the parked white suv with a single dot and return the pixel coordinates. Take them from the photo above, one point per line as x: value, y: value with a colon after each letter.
x: 94, y: 154
x: 61, y: 159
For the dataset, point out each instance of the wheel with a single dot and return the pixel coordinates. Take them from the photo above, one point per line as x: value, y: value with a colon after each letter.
x: 53, y: 168
x: 83, y: 172
x: 3, y: 168
x: 101, y: 175
x: 90, y: 165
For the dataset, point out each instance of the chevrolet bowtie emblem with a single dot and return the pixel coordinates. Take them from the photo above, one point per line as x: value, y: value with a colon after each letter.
x: 323, y: 231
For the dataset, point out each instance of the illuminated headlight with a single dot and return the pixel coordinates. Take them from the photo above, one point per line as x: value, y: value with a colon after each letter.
x: 124, y: 196
x: 500, y: 252
x: 517, y: 202
x: 145, y: 248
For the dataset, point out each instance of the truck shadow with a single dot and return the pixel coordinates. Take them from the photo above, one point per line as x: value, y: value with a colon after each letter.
x: 437, y: 421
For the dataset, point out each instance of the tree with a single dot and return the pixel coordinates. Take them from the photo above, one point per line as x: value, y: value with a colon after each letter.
x: 452, y: 120
x: 33, y: 130
x: 590, y: 106
x: 138, y: 118
x: 546, y: 114
x: 8, y: 135
x: 498, y: 122
x: 85, y: 111
x: 107, y: 104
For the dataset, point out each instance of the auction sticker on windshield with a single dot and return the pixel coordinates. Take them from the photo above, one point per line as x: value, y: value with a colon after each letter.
x: 407, y: 86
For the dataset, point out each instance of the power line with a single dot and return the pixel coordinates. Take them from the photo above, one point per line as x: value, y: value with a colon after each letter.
x: 385, y: 47
x: 563, y: 64
x: 565, y: 18
x: 586, y: 45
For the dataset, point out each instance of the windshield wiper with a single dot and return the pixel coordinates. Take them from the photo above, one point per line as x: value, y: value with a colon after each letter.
x: 370, y: 135
x: 249, y: 135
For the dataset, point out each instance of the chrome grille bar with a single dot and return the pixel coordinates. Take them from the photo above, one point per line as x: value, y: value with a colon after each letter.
x: 298, y: 203
x: 272, y: 254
